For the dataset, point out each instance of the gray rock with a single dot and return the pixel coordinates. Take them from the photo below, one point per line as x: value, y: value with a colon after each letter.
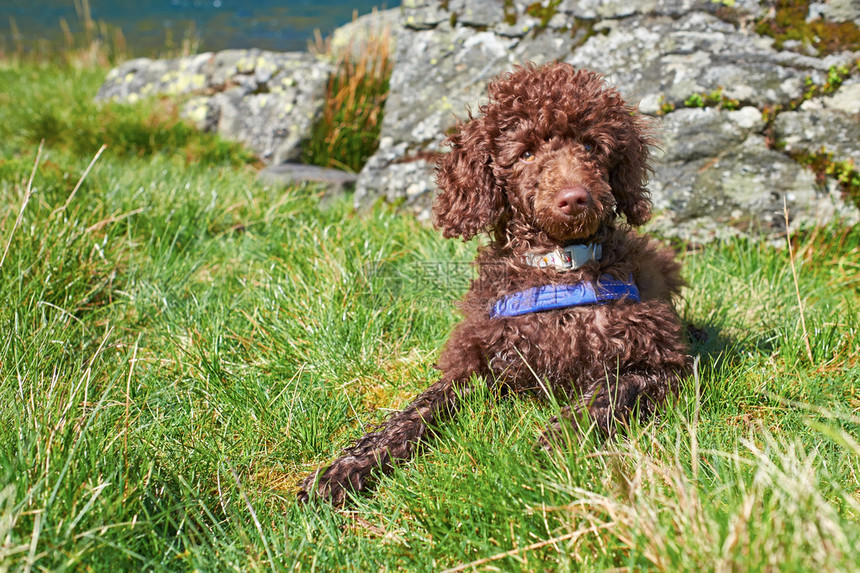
x: 830, y: 124
x: 353, y: 37
x: 423, y: 14
x: 612, y: 9
x: 142, y: 77
x: 716, y: 177
x: 745, y: 184
x: 835, y: 10
x: 335, y: 181
x: 695, y: 133
x: 266, y: 100
x: 615, y: 9
x: 396, y: 177
x: 481, y: 14
x: 657, y: 58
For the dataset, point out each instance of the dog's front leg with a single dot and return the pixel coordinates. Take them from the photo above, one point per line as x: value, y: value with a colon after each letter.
x: 398, y: 437
x: 394, y: 441
x: 612, y: 404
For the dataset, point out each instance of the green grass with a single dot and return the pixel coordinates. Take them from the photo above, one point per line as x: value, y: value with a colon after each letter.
x: 180, y: 345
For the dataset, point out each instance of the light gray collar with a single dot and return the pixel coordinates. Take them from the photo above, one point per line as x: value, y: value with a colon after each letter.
x: 567, y: 258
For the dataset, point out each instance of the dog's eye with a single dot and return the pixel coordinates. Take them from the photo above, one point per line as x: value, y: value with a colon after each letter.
x: 527, y: 156
x: 588, y: 147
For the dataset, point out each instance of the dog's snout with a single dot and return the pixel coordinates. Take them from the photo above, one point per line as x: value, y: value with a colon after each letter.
x: 572, y: 200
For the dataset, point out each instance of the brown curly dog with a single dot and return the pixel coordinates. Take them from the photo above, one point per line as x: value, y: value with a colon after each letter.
x: 569, y: 300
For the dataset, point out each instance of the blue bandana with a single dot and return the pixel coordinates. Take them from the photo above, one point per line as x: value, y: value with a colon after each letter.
x: 551, y: 297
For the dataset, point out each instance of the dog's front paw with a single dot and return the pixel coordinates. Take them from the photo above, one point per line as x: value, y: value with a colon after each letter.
x: 335, y: 482
x: 570, y: 426
x: 558, y: 436
x: 549, y: 441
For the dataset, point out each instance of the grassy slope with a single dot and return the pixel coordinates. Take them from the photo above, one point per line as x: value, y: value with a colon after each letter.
x: 180, y: 345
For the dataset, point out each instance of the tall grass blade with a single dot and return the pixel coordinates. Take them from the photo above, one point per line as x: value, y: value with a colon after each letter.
x: 28, y: 193
x: 796, y: 285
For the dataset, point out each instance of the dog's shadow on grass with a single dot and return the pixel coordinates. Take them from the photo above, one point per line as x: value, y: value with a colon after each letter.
x: 718, y: 351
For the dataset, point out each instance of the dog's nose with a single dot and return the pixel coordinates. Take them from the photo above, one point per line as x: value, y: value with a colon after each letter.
x: 572, y: 200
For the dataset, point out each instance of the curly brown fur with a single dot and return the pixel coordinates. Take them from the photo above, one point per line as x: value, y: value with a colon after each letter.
x: 554, y: 158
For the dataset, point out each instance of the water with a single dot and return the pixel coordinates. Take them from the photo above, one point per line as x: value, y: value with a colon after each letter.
x: 284, y: 25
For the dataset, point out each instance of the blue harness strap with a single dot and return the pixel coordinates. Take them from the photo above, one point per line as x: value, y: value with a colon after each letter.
x: 550, y: 297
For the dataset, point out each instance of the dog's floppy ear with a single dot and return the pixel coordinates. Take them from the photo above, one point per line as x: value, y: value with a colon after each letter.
x: 630, y: 172
x: 470, y: 201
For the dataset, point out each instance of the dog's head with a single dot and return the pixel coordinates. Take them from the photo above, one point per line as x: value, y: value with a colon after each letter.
x: 555, y: 149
